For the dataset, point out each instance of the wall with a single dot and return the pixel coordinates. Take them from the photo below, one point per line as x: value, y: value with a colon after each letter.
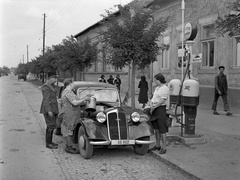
x: 202, y: 12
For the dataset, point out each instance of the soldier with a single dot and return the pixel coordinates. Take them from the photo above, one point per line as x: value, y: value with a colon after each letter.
x: 49, y: 108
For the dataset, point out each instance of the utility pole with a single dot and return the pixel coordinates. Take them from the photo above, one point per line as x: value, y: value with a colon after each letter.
x: 23, y: 58
x: 183, y: 8
x: 183, y: 50
x: 27, y: 53
x: 44, y: 17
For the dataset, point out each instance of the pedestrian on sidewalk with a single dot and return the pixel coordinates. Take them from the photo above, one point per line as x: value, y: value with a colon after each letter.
x: 70, y: 113
x: 110, y: 80
x: 221, y: 89
x: 143, y: 93
x: 49, y: 108
x: 102, y: 79
x: 117, y: 82
x: 158, y: 117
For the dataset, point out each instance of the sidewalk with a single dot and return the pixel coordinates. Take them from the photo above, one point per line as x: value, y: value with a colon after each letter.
x: 216, y: 159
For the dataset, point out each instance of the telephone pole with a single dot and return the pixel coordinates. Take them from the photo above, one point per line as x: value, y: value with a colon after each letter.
x: 27, y: 53
x: 44, y: 17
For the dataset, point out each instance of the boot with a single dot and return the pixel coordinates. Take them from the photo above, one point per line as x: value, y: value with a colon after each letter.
x: 49, y: 143
x: 51, y: 134
x: 71, y: 150
x: 58, y: 132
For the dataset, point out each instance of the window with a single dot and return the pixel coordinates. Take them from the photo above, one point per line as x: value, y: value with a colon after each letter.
x: 163, y: 58
x: 207, y: 40
x: 236, y: 51
x: 208, y: 53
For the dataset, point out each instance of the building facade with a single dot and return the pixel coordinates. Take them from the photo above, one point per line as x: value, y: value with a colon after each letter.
x: 216, y: 50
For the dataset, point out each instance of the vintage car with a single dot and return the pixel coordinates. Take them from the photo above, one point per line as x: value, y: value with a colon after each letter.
x: 22, y: 76
x: 105, y: 122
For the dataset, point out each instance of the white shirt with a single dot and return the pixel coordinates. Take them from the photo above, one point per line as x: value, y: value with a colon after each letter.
x: 160, y: 93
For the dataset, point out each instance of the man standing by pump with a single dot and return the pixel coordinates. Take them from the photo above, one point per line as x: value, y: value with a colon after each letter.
x: 49, y: 108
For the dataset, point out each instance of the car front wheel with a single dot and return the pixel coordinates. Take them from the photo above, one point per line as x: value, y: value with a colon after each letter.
x: 141, y: 149
x: 84, y: 146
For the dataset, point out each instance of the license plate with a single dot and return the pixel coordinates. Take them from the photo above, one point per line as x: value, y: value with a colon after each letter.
x: 122, y: 142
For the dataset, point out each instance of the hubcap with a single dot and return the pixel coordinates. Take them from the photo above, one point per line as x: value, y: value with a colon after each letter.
x: 82, y: 142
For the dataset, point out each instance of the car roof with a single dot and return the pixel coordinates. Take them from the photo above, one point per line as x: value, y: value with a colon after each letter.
x: 82, y: 84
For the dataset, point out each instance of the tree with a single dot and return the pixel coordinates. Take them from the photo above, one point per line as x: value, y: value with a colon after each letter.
x: 131, y: 39
x: 230, y: 23
x: 34, y: 67
x: 76, y: 55
x: 47, y: 62
x: 4, y: 70
x: 68, y: 55
x: 22, y: 69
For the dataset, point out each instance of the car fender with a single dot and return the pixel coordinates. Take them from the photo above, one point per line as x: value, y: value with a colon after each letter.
x: 94, y: 129
x: 140, y: 130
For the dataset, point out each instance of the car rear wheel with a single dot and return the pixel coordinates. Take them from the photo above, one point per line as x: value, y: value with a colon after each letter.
x: 141, y: 149
x: 85, y: 148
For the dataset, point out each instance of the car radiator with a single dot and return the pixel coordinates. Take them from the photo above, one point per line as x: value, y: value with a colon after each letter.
x: 117, y: 125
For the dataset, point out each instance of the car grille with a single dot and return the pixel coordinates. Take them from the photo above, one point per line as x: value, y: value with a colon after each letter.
x: 117, y: 128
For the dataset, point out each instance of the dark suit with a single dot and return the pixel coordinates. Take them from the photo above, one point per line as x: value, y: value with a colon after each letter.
x: 49, y: 103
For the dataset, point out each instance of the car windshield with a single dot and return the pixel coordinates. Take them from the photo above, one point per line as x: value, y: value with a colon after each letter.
x: 101, y: 94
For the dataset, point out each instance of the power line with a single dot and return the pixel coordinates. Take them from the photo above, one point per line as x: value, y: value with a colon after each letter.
x: 52, y: 22
x: 74, y: 4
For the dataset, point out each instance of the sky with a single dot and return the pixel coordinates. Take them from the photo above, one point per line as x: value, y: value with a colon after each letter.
x: 22, y: 21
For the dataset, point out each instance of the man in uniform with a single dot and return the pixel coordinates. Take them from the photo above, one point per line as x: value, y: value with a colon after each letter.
x: 49, y: 108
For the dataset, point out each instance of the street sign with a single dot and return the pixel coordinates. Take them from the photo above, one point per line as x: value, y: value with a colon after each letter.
x: 181, y: 52
x: 196, y: 58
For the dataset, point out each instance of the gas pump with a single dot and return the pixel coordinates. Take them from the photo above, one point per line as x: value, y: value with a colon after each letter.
x: 174, y: 88
x: 185, y: 93
x: 174, y: 100
x: 190, y: 101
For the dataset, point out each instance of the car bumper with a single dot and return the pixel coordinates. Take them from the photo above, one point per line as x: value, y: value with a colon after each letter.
x: 121, y: 142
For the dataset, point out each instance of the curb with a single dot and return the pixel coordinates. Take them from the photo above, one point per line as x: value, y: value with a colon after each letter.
x: 174, y: 166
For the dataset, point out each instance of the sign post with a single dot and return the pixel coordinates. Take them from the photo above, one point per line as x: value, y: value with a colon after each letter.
x: 190, y: 34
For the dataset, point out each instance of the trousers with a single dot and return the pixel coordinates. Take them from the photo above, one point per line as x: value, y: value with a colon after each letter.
x: 225, y: 101
x: 50, y: 121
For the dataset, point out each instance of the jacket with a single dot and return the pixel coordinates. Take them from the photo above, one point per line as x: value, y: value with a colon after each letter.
x: 221, y: 83
x: 49, y: 102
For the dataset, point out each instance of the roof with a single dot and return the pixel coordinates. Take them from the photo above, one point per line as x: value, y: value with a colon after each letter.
x: 79, y: 84
x: 161, y: 3
x: 97, y: 24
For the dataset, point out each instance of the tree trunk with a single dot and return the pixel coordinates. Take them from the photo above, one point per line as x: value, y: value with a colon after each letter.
x: 74, y: 74
x: 43, y: 77
x: 133, y: 85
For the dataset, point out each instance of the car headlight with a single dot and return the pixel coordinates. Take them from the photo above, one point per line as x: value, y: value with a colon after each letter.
x: 135, y: 117
x: 101, y: 117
